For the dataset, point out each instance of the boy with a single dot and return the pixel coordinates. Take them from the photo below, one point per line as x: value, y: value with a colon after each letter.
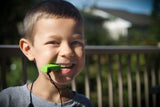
x: 53, y: 35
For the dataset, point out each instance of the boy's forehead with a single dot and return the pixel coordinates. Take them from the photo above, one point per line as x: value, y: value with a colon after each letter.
x: 47, y: 16
x: 78, y: 26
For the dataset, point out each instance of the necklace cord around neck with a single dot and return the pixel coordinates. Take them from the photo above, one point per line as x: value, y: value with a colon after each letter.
x: 51, y: 80
x: 31, y: 103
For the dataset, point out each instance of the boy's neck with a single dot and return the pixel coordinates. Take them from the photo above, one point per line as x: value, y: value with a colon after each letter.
x: 44, y: 89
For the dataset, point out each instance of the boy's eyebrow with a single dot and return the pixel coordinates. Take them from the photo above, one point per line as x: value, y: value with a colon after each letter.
x: 78, y: 36
x: 53, y: 36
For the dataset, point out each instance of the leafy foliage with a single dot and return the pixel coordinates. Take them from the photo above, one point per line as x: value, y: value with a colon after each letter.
x: 13, y: 12
x: 94, y: 32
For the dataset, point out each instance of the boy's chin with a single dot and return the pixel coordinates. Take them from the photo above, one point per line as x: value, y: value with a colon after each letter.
x: 63, y: 82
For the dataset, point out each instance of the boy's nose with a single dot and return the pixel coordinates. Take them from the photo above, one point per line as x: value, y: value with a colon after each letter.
x: 66, y: 51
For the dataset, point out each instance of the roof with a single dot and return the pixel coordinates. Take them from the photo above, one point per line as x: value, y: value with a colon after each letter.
x: 135, y: 19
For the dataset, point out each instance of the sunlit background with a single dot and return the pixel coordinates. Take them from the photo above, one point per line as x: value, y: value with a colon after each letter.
x: 134, y: 6
x: 108, y: 23
x: 127, y: 22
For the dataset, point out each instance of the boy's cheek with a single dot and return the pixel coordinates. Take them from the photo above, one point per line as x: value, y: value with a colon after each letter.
x: 50, y: 56
x: 53, y: 61
x: 81, y: 58
x: 45, y: 59
x: 79, y: 51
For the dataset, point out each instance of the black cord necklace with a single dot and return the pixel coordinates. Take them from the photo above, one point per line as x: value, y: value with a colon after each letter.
x: 31, y: 103
x: 56, y: 88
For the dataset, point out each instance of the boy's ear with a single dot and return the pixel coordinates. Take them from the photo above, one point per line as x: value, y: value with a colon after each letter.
x: 25, y: 47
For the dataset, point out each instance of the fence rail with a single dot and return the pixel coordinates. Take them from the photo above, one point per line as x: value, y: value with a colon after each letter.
x: 144, y: 92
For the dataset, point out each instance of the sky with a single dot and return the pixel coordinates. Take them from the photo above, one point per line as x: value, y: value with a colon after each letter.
x: 134, y: 6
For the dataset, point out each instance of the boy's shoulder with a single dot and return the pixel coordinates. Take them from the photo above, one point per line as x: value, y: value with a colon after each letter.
x: 14, y: 90
x: 80, y: 98
x: 12, y: 94
x: 21, y: 93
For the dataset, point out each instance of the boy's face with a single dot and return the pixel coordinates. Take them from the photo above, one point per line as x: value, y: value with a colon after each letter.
x: 59, y: 41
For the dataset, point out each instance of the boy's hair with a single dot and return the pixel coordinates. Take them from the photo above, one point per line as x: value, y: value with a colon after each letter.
x: 47, y: 9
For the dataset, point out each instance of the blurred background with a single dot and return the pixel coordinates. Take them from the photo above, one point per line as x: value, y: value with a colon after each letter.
x: 107, y: 23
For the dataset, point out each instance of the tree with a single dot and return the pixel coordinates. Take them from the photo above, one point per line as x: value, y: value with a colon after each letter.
x: 13, y: 12
x: 94, y: 31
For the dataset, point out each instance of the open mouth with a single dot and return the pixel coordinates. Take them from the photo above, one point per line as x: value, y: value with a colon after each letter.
x: 63, y: 68
x: 67, y: 66
x: 66, y: 69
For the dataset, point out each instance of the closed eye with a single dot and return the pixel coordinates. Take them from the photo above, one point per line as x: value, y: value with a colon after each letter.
x: 77, y: 43
x: 54, y: 43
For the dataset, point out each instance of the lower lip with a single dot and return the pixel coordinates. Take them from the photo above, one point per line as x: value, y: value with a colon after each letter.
x: 65, y: 71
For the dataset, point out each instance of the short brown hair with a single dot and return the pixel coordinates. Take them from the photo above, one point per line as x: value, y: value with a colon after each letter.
x: 46, y: 9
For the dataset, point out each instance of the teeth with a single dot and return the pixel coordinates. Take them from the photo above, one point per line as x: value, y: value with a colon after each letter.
x: 66, y: 65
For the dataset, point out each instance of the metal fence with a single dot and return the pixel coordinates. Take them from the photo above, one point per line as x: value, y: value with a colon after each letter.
x: 125, y: 75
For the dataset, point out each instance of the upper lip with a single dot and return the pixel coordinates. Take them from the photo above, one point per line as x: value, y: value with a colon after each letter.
x: 66, y: 64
